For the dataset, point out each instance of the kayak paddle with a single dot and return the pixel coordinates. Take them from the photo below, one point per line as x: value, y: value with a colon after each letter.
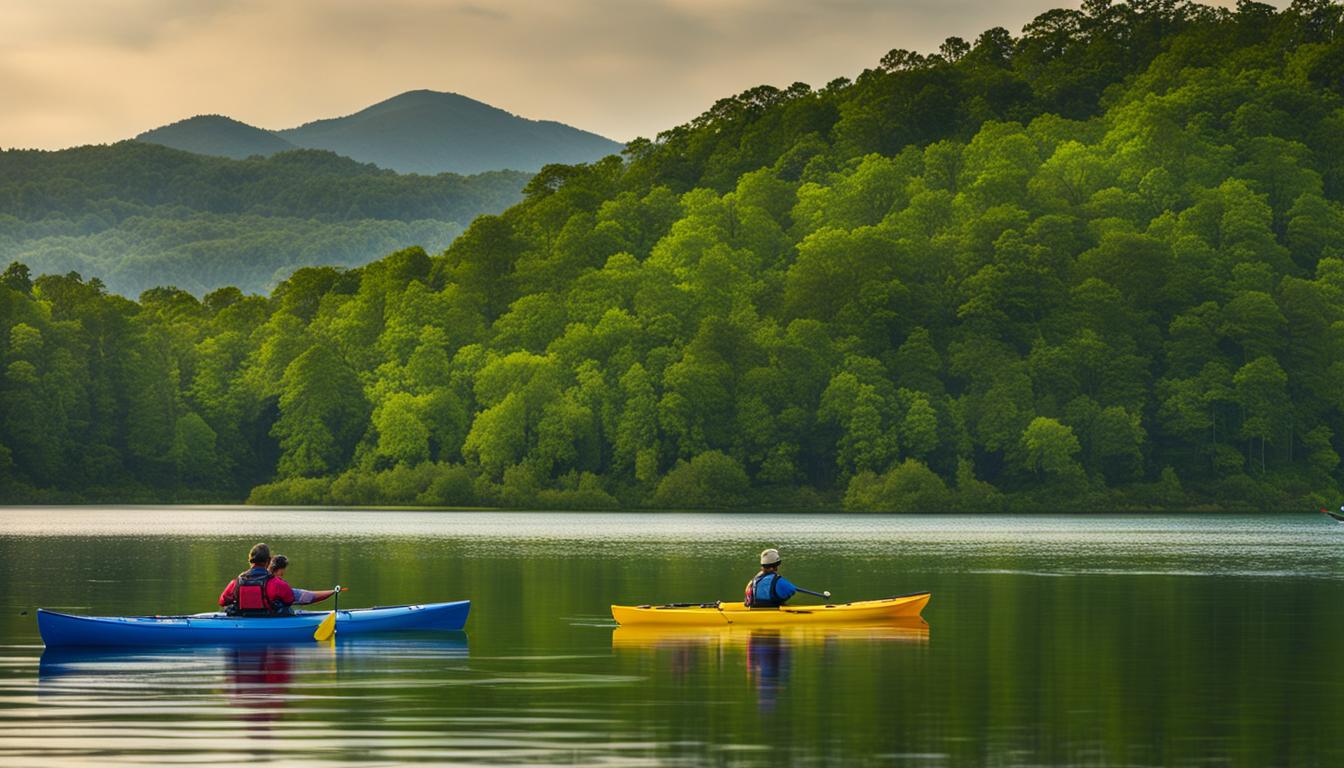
x: 826, y: 595
x: 327, y: 629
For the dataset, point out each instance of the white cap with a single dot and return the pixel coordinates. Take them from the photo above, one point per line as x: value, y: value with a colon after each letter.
x: 770, y: 557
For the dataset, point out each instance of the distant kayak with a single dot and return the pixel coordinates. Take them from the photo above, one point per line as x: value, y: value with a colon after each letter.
x: 1335, y: 515
x: 62, y: 629
x: 719, y: 614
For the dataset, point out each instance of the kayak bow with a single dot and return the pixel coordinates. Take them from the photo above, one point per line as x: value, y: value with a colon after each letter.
x: 719, y: 614
x: 62, y: 629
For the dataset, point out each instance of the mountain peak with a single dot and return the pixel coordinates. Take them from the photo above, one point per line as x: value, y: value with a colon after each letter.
x: 216, y: 135
x: 418, y: 131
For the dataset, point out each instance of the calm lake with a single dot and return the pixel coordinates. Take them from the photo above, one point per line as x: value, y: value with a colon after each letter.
x: 1093, y: 641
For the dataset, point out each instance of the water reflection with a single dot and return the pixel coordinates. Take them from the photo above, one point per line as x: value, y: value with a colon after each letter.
x: 246, y: 671
x: 259, y: 683
x: 1185, y: 642
x: 913, y: 631
x: 768, y: 656
x: 764, y: 654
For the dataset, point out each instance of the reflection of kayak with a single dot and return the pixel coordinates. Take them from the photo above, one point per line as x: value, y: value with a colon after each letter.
x: 718, y: 614
x: 256, y: 678
x: 648, y: 636
x: 60, y: 629
x: 163, y: 663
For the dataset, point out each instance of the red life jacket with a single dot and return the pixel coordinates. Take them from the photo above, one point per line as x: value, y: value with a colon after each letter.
x: 250, y: 595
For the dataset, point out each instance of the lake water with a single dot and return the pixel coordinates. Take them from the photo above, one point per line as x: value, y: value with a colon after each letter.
x: 1050, y: 641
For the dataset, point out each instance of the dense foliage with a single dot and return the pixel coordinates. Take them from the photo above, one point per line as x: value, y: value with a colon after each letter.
x: 1100, y: 265
x: 138, y: 215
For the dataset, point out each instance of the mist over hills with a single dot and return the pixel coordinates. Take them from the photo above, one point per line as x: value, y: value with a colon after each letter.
x: 136, y: 215
x: 425, y: 132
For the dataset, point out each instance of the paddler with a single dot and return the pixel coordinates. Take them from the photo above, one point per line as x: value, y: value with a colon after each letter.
x: 301, y: 596
x: 255, y: 592
x: 768, y: 589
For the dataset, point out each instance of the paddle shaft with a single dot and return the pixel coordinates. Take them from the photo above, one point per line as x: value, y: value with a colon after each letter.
x: 814, y: 594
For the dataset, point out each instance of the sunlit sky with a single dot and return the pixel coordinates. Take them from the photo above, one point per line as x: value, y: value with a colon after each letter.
x: 92, y: 71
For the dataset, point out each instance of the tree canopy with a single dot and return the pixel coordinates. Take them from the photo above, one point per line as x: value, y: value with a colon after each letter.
x: 1098, y: 265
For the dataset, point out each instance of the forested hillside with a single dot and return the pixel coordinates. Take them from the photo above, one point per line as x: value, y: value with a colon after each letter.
x: 137, y: 215
x: 1096, y: 266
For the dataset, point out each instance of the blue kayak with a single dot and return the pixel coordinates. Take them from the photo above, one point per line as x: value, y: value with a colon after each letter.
x: 63, y: 629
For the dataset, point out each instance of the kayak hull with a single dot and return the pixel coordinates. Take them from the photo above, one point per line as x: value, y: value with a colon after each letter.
x: 65, y: 630
x: 721, y: 614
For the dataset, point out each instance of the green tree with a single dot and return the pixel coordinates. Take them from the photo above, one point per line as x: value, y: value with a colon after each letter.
x: 403, y: 436
x: 323, y: 413
x: 1050, y: 449
x: 1262, y: 391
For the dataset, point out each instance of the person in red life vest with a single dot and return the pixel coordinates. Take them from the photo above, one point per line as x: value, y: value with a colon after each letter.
x: 301, y: 596
x: 255, y: 592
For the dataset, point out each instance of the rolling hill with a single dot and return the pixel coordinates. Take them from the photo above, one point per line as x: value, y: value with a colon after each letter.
x: 137, y: 215
x: 217, y: 135
x: 425, y: 132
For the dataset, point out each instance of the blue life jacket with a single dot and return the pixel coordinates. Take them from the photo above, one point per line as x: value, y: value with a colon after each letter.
x: 763, y: 591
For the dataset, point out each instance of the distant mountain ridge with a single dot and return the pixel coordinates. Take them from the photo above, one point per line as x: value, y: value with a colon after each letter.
x: 423, y: 131
x: 219, y: 136
x: 137, y: 215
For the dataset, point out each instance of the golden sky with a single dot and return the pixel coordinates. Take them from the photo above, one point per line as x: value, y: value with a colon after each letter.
x: 92, y: 71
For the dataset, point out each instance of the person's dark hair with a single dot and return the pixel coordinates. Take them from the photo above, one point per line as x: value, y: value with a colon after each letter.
x: 772, y: 566
x: 278, y: 562
x: 260, y: 554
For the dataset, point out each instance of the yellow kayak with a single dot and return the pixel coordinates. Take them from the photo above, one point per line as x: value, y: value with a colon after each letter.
x: 719, y: 614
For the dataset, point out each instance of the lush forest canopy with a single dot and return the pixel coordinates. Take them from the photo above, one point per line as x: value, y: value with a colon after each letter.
x: 1096, y: 266
x: 137, y: 215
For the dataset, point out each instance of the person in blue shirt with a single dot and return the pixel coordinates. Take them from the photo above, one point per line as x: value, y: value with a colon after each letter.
x: 768, y: 589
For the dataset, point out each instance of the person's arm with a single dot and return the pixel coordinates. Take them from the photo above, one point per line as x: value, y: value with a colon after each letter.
x: 785, y: 589
x: 226, y: 597
x: 308, y: 597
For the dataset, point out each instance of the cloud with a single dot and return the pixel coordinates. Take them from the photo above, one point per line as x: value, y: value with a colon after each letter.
x: 481, y: 10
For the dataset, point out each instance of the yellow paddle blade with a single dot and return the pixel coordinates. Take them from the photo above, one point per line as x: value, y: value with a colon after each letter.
x: 326, y: 629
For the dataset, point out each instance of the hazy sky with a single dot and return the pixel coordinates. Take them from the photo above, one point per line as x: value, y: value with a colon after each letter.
x: 90, y: 71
